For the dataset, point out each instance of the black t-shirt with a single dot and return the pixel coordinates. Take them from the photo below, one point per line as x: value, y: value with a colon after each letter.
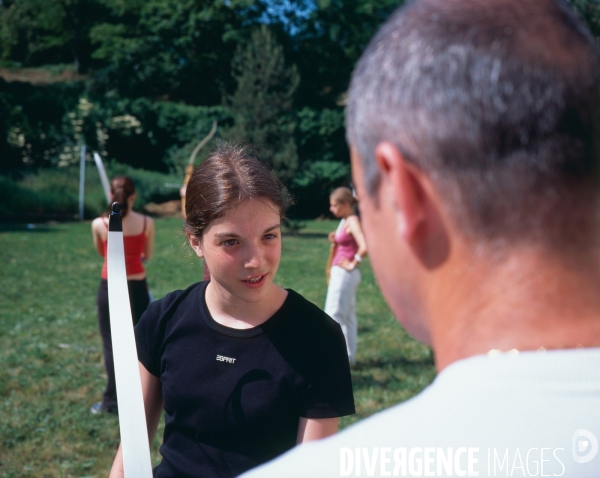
x: 233, y: 398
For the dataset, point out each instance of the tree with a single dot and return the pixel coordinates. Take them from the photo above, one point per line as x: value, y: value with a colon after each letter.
x: 171, y: 49
x: 41, y: 32
x: 590, y: 12
x: 262, y: 103
x: 327, y: 44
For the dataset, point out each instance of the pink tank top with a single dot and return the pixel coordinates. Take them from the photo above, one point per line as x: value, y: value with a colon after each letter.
x: 346, y: 245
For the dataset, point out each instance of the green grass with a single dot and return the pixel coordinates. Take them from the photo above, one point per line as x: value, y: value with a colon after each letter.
x: 51, y: 367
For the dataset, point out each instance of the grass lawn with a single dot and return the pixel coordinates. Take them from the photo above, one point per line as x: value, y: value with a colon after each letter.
x: 51, y: 367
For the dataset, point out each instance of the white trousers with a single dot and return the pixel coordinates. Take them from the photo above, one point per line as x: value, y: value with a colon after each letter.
x: 340, y: 304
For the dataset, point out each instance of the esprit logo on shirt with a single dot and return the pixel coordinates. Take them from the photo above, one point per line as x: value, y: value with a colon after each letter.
x: 222, y: 358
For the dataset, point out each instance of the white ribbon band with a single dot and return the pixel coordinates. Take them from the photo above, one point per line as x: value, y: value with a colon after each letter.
x: 132, y: 417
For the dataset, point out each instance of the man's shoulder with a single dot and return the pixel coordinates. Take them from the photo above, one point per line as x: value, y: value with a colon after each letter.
x: 505, y: 405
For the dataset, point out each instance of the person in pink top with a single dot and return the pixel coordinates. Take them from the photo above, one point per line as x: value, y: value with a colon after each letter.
x: 350, y: 248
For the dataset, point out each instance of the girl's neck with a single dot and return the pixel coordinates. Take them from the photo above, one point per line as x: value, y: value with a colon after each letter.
x: 232, y: 312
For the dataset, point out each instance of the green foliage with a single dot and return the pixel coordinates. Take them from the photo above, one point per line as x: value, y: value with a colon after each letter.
x: 49, y: 31
x: 175, y: 49
x: 261, y: 105
x: 312, y: 186
x: 54, y: 192
x: 320, y: 134
x: 15, y: 199
x: 328, y: 43
x: 590, y: 12
x: 155, y: 135
x: 149, y: 185
x: 9, y: 152
x: 51, y: 368
x: 160, y: 71
x: 44, y: 126
x: 326, y: 173
x: 35, y: 124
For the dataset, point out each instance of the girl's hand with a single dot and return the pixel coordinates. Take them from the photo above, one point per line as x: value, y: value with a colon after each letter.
x: 331, y: 237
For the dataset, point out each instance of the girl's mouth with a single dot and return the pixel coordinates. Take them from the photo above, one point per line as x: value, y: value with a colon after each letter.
x: 255, y: 281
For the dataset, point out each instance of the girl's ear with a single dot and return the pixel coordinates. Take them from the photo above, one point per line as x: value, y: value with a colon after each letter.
x: 196, y: 244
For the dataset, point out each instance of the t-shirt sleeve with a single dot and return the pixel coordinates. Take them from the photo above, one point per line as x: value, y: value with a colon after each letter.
x: 148, y: 338
x: 329, y: 388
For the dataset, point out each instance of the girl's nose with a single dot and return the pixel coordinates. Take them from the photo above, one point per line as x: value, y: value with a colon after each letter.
x: 254, y: 257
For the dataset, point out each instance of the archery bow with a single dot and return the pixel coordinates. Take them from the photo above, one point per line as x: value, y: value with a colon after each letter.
x: 103, y: 176
x: 189, y: 169
x: 132, y: 417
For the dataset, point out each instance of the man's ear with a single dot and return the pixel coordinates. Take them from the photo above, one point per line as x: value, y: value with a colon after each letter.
x: 196, y: 244
x: 401, y: 183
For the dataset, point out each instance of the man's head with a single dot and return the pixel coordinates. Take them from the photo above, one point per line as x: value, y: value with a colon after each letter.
x: 492, y: 109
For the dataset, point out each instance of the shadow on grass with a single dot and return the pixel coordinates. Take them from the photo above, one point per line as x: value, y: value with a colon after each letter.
x: 398, y: 362
x: 25, y: 228
x: 399, y: 374
x: 306, y: 235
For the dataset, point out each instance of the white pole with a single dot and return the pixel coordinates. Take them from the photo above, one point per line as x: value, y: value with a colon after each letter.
x: 81, y: 181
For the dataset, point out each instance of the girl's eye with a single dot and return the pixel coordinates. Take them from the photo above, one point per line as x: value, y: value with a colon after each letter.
x: 270, y: 236
x: 229, y: 243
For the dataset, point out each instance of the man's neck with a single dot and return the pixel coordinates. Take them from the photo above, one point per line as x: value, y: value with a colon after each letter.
x: 530, y: 298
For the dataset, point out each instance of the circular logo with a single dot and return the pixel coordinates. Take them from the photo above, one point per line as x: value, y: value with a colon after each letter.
x: 585, y: 446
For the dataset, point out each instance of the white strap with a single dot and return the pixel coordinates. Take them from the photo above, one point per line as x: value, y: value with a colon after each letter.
x: 132, y: 418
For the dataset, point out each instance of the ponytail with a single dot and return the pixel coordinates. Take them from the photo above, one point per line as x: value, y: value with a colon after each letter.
x: 122, y: 187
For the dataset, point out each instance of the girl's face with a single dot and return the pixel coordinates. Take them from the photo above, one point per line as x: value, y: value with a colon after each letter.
x: 242, y: 250
x: 339, y: 208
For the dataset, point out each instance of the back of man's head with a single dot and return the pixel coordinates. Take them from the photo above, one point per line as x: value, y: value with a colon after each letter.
x: 497, y: 101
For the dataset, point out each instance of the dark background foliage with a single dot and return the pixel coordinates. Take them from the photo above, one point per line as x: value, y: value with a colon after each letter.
x: 141, y: 81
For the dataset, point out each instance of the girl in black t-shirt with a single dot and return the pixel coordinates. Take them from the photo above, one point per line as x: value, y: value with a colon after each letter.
x: 243, y: 368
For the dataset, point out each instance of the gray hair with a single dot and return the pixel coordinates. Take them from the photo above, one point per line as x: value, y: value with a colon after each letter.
x: 497, y: 102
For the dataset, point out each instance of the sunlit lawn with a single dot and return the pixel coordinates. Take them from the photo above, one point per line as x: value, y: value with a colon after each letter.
x: 51, y: 367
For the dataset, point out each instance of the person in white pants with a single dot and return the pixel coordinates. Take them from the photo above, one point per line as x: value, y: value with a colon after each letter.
x: 350, y: 247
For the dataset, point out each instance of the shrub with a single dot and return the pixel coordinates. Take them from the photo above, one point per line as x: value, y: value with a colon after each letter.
x: 312, y: 186
x: 19, y: 203
x: 53, y: 193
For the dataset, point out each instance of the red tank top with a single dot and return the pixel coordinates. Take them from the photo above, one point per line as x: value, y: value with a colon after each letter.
x: 134, y: 248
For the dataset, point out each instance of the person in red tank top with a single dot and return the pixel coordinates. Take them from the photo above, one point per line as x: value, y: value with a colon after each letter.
x: 138, y: 235
x: 350, y: 248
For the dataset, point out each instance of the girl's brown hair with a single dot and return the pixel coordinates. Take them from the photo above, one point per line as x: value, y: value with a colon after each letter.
x: 343, y: 194
x: 227, y: 178
x: 122, y: 187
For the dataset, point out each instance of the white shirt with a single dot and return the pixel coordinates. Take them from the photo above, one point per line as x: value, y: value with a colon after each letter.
x: 525, y: 414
